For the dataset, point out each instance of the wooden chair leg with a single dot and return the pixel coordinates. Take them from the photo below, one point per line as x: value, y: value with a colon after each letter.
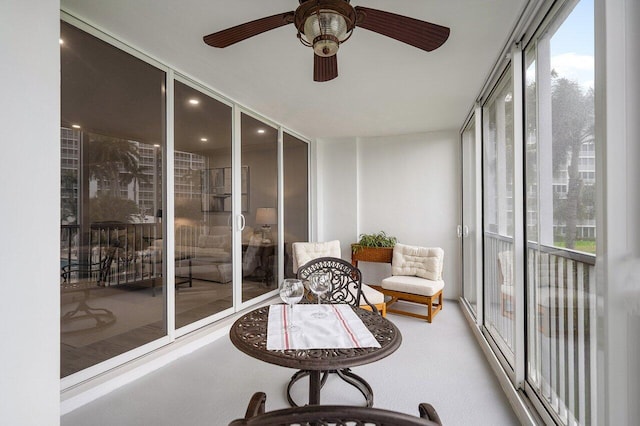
x: 392, y: 301
x: 430, y: 306
x: 427, y: 301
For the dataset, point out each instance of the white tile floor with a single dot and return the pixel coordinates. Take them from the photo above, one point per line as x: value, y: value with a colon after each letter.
x: 439, y: 363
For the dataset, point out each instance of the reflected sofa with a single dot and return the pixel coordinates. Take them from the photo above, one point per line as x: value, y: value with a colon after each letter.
x: 204, y: 252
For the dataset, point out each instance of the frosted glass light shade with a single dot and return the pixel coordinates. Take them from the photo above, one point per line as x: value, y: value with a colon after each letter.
x: 325, y: 31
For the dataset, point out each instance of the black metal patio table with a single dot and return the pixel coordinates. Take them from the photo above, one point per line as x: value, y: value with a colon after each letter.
x: 249, y: 335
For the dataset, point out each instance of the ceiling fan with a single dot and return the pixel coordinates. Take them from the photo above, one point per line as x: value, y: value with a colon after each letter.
x: 325, y: 24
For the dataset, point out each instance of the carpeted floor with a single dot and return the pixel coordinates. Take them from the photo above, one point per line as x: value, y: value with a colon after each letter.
x: 439, y: 363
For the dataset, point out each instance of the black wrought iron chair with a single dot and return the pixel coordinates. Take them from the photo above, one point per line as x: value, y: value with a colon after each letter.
x: 346, y: 281
x: 99, y: 271
x: 333, y: 415
x: 346, y: 288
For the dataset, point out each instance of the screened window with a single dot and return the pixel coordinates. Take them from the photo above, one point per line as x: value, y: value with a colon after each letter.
x: 560, y: 170
x: 498, y: 171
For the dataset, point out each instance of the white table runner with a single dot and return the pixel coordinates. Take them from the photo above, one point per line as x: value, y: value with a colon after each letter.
x: 341, y: 328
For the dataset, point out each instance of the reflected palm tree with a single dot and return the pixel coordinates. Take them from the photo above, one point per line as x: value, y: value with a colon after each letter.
x: 108, y: 156
x: 141, y: 174
x: 68, y: 195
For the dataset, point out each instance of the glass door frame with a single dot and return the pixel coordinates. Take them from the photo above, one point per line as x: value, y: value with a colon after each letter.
x: 472, y: 269
x: 516, y: 370
x: 118, y: 360
x: 170, y: 202
x: 239, y: 220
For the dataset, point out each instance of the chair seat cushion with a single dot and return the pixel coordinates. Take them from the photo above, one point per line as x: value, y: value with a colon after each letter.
x: 373, y: 296
x: 414, y: 285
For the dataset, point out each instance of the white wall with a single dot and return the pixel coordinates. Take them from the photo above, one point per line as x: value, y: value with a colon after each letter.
x: 336, y: 204
x: 618, y: 243
x: 632, y: 286
x: 408, y: 186
x: 30, y: 214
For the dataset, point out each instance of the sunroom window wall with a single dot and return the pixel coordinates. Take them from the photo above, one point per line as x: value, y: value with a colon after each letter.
x: 157, y: 171
x: 550, y: 349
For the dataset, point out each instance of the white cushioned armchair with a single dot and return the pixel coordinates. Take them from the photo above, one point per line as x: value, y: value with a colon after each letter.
x: 416, y: 277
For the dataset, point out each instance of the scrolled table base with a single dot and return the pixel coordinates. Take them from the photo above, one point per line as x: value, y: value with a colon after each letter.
x: 314, y: 390
x: 249, y: 334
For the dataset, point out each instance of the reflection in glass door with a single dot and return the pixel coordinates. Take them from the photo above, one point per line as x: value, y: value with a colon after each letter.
x: 259, y: 199
x: 112, y: 140
x: 295, y: 154
x: 202, y: 167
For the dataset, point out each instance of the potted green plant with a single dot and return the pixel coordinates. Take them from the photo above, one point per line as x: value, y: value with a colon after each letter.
x: 376, y: 247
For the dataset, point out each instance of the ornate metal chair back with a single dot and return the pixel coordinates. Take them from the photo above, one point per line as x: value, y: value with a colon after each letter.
x: 334, y: 415
x: 346, y: 280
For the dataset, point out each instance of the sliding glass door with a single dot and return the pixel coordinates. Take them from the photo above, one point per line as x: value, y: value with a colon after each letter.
x: 295, y: 156
x: 499, y: 252
x: 154, y: 170
x: 203, y: 267
x: 560, y: 175
x: 112, y: 137
x: 549, y: 351
x: 259, y: 194
x: 468, y: 230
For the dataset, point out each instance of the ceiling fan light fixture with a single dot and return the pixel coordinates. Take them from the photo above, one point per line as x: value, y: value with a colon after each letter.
x: 324, y: 30
x: 325, y: 24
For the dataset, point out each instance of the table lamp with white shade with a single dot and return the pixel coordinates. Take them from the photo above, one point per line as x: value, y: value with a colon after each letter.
x: 266, y: 216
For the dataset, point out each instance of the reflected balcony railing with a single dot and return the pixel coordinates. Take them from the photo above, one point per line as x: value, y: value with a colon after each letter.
x: 127, y: 245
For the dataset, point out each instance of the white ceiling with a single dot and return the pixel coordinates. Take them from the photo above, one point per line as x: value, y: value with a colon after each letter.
x: 384, y: 87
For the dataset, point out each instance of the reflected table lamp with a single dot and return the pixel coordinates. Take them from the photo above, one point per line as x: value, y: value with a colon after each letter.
x: 266, y: 216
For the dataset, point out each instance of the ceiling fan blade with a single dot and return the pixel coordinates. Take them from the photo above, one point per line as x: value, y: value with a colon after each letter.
x: 241, y: 32
x: 325, y: 68
x: 421, y: 34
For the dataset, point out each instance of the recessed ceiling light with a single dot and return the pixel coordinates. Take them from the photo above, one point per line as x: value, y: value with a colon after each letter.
x: 261, y: 131
x: 194, y: 101
x: 203, y: 139
x: 157, y: 145
x: 75, y: 126
x: 61, y: 41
